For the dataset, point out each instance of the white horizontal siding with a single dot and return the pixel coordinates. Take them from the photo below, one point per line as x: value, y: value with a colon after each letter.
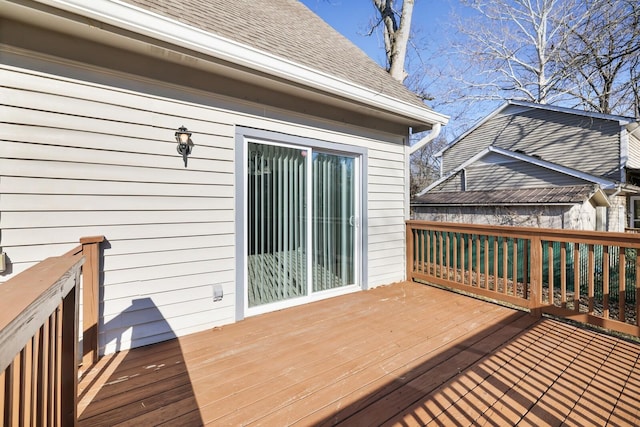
x: 634, y: 151
x: 80, y: 159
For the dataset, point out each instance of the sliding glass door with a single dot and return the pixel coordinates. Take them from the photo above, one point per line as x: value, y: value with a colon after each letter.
x: 302, y: 222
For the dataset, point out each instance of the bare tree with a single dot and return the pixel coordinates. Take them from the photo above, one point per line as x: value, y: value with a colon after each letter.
x: 513, y: 48
x: 579, y: 53
x: 425, y: 167
x: 396, y: 30
x: 603, y: 52
x: 395, y: 21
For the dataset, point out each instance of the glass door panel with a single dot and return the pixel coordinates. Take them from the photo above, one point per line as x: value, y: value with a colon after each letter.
x: 333, y: 221
x: 277, y: 223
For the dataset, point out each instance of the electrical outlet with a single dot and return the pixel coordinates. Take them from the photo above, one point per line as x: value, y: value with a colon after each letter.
x: 218, y: 293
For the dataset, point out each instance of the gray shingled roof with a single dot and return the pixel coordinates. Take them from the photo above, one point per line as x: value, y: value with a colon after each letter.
x: 529, y: 196
x: 288, y: 29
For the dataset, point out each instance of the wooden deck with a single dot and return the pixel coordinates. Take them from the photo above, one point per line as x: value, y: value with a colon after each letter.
x: 404, y: 354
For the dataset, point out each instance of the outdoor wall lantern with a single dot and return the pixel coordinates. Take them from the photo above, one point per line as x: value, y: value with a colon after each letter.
x: 185, y: 144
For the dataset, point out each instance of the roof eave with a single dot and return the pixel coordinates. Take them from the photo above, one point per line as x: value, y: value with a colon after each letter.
x: 140, y: 21
x: 622, y: 120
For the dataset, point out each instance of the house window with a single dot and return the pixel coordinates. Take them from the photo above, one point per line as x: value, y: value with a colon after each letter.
x: 463, y: 180
x: 302, y: 223
x: 635, y: 212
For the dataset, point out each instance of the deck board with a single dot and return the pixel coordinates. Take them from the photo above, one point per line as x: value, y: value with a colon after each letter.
x: 404, y: 354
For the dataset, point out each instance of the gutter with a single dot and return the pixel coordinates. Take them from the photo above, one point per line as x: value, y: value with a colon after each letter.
x: 140, y: 21
x: 435, y: 131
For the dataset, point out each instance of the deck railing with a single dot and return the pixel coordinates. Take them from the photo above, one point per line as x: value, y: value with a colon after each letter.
x: 589, y: 277
x: 39, y: 338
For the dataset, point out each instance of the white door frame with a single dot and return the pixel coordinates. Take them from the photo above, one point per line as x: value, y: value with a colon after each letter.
x: 243, y: 137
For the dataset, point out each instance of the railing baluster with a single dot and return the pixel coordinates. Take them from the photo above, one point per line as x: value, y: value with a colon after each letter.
x: 622, y: 284
x: 486, y: 261
x: 550, y: 285
x: 515, y: 267
x: 51, y: 359
x: 496, y: 275
x: 563, y: 274
x: 9, y: 397
x: 23, y: 387
x: 440, y: 262
x: 428, y: 252
x: 525, y: 268
x: 605, y: 281
x: 637, y: 305
x: 470, y: 260
x: 447, y: 257
x: 462, y: 258
x: 422, y: 251
x: 591, y: 279
x: 34, y: 378
x: 478, y: 245
x: 454, y: 238
x: 576, y: 277
x: 505, y: 264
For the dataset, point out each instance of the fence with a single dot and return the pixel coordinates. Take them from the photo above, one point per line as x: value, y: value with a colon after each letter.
x: 591, y: 277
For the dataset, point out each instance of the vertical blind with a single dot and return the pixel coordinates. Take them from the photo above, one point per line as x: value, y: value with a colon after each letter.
x: 333, y: 221
x: 278, y: 260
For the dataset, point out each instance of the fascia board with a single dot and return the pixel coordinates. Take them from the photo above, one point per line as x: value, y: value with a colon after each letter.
x: 143, y: 22
x: 592, y: 114
x: 472, y: 128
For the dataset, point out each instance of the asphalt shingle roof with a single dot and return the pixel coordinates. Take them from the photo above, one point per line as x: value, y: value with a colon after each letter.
x: 528, y: 196
x: 287, y: 29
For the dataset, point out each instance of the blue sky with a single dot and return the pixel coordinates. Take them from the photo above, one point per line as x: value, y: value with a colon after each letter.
x: 432, y: 32
x: 353, y: 17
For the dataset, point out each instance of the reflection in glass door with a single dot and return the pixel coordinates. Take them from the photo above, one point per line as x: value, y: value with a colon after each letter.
x: 277, y: 230
x: 301, y: 222
x: 334, y: 221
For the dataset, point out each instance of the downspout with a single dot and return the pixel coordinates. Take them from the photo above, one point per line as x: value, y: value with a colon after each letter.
x: 625, y: 222
x: 435, y: 131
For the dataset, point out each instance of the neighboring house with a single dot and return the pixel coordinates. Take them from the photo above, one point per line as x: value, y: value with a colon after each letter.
x: 295, y: 189
x: 540, y: 166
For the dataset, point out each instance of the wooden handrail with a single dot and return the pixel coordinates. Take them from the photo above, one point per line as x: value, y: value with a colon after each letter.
x: 628, y: 240
x: 38, y: 343
x: 39, y: 339
x: 569, y: 273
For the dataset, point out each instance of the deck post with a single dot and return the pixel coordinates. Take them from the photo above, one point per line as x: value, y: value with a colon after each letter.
x: 535, y: 297
x: 410, y: 251
x: 90, y: 296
